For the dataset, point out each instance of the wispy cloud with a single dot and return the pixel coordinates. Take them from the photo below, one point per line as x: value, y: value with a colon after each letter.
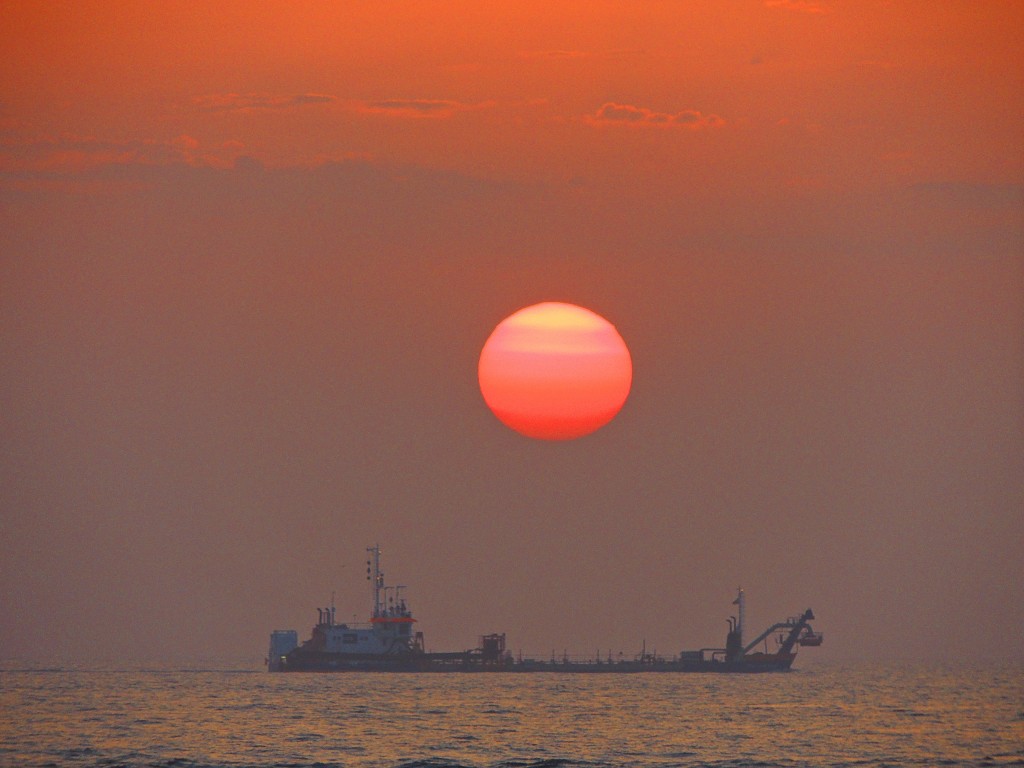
x: 627, y: 114
x: 972, y: 195
x: 416, y: 108
x: 72, y: 153
x: 554, y: 54
x: 803, y: 6
x: 238, y: 102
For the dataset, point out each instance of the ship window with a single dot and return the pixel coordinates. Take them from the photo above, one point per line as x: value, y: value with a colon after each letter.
x: 349, y: 637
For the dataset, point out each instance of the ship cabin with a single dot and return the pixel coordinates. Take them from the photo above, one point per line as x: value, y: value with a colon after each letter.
x: 390, y: 627
x: 386, y: 633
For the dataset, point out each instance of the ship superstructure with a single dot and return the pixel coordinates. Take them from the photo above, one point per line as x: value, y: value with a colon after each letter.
x: 388, y: 635
x: 388, y: 643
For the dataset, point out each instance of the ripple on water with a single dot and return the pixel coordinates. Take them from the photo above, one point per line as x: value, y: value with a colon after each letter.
x: 840, y: 718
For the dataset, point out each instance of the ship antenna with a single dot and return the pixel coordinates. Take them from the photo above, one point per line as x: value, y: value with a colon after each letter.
x: 373, y: 573
x: 742, y: 603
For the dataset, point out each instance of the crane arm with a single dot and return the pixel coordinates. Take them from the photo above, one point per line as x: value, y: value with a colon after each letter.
x: 795, y: 627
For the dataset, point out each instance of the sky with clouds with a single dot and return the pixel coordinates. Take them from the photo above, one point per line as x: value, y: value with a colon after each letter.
x: 249, y: 255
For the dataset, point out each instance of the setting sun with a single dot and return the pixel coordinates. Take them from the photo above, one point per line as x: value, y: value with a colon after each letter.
x: 555, y: 371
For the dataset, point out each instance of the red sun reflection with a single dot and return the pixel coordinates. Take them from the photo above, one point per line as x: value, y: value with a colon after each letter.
x: 555, y: 371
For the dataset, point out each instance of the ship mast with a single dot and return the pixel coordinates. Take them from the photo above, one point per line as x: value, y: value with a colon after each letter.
x: 742, y: 603
x: 374, y: 574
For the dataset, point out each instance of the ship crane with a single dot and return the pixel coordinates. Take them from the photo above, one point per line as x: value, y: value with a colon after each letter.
x: 800, y: 631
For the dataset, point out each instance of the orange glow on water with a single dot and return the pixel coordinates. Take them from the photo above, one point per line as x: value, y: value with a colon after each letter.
x: 555, y: 371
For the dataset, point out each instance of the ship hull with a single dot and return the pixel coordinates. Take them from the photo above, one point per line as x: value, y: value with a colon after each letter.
x: 469, y: 663
x: 397, y: 662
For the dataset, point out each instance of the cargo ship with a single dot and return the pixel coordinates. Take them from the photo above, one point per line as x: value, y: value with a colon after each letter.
x: 388, y: 642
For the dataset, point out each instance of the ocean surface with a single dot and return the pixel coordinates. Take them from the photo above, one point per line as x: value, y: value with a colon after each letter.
x: 825, y: 715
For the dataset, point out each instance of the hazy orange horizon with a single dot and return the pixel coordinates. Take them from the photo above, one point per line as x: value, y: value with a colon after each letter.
x: 251, y: 254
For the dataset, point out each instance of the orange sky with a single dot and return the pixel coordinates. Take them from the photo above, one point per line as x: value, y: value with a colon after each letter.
x: 797, y: 91
x: 250, y: 252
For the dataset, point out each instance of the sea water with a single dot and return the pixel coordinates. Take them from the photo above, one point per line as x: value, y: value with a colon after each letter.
x: 825, y: 715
